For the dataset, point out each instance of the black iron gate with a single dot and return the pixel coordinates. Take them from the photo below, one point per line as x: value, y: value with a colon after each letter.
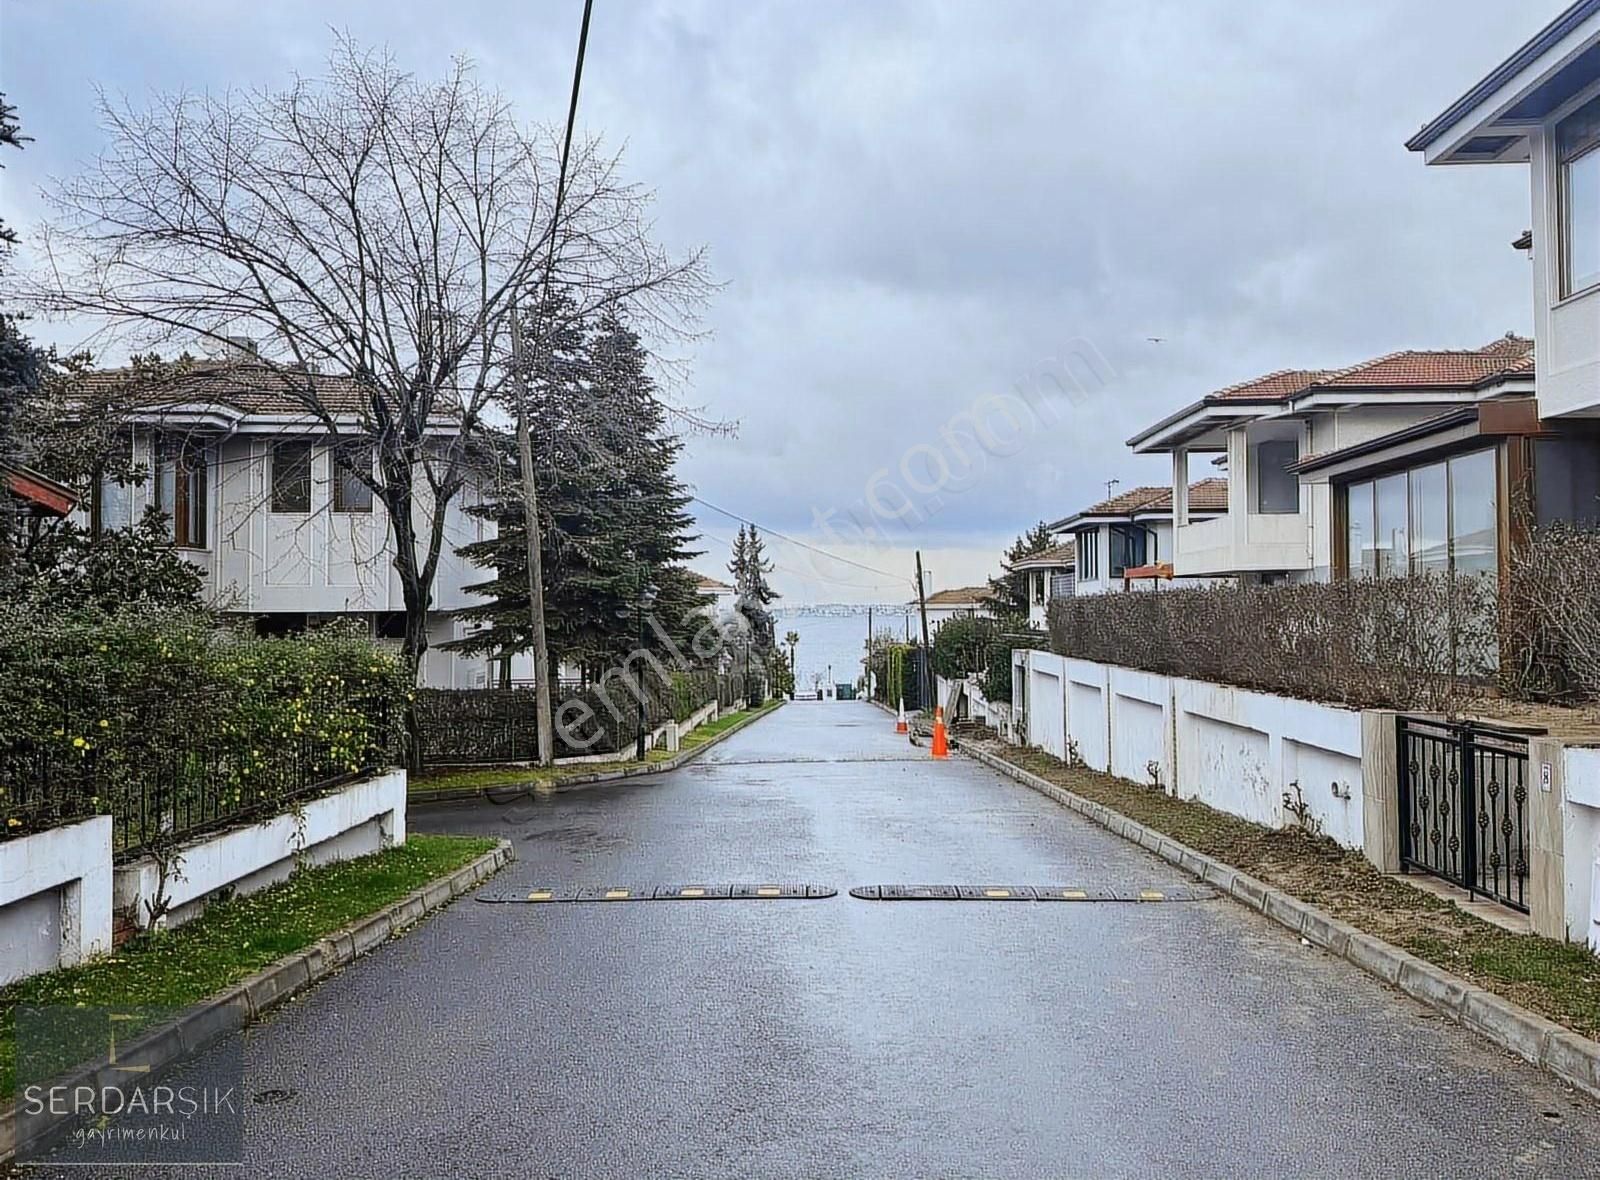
x: 1464, y: 806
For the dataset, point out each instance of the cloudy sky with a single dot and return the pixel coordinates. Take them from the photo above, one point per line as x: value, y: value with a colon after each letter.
x: 917, y: 207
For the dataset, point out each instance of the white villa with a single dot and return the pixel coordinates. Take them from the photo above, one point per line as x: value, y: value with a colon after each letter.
x: 254, y: 498
x: 1051, y: 574
x: 1125, y: 542
x: 1541, y: 107
x: 1399, y: 462
x: 961, y: 602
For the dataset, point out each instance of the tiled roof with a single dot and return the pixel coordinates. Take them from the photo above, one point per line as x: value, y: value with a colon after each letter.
x: 1064, y: 554
x: 1448, y: 369
x: 1206, y: 495
x: 251, y: 387
x: 1277, y: 386
x: 962, y: 596
x: 709, y: 585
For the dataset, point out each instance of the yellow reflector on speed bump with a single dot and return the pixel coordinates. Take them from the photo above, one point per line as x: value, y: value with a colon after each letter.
x: 1074, y: 894
x: 768, y: 891
x: 695, y: 892
x: 997, y: 893
x: 616, y: 894
x: 1151, y: 895
x: 539, y: 895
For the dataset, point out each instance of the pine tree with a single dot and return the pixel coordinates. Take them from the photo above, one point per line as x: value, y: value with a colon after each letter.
x: 750, y: 567
x: 614, y: 512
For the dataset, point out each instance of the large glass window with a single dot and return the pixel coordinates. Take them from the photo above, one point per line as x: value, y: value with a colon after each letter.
x: 1089, y: 555
x: 1430, y: 518
x: 1360, y: 557
x: 1277, y: 488
x: 1440, y: 516
x: 350, y: 492
x: 1578, y: 158
x: 1474, y: 513
x: 291, y: 477
x: 1127, y: 548
x: 1392, y: 532
x: 181, y: 491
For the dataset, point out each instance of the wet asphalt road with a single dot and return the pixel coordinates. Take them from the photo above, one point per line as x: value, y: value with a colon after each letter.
x: 849, y: 1038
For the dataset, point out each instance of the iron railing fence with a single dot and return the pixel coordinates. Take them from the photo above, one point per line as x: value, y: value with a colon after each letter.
x: 159, y: 791
x: 1463, y: 806
x: 488, y: 725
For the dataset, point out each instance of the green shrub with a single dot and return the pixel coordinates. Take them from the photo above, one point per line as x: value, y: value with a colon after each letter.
x: 172, y: 723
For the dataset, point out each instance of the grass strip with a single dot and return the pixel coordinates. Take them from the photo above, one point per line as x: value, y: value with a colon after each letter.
x: 1558, y: 980
x: 173, y: 969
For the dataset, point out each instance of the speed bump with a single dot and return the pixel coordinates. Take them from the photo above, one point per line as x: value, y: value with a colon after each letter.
x: 1024, y: 893
x: 759, y: 891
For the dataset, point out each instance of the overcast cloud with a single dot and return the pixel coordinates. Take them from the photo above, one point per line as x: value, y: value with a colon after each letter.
x: 913, y: 204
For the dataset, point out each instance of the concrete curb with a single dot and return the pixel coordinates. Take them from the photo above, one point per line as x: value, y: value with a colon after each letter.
x: 1554, y: 1048
x: 251, y: 998
x: 681, y: 758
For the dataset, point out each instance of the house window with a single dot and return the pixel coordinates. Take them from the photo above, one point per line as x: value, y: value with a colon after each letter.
x: 181, y: 491
x: 350, y: 494
x: 1038, y: 589
x: 291, y: 477
x: 1441, y: 516
x: 1089, y: 555
x: 1277, y: 488
x: 1578, y: 195
x: 1127, y: 548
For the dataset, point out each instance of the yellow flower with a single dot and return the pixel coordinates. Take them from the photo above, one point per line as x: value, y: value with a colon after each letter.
x: 79, y: 743
x: 104, y: 724
x: 13, y: 822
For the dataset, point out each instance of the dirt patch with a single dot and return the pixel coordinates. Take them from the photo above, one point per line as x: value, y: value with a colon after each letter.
x: 1556, y: 979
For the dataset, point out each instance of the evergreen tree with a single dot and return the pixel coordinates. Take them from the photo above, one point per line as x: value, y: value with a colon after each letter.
x: 615, y: 516
x: 22, y: 368
x: 750, y: 567
x: 1009, y: 591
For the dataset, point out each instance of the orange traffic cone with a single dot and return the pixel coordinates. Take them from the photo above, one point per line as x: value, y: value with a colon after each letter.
x: 900, y: 726
x: 941, y: 746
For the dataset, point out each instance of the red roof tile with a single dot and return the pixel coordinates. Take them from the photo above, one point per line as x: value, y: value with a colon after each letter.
x: 1276, y: 386
x: 1447, y: 369
x: 1206, y: 495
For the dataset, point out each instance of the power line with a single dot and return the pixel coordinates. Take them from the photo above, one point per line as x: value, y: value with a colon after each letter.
x: 899, y: 578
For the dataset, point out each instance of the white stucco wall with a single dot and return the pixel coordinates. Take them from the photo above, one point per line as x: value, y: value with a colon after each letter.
x: 1580, y: 839
x: 55, y: 898
x: 1235, y: 750
x: 362, y: 818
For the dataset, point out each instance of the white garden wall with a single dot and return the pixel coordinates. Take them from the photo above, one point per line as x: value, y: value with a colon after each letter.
x: 1235, y: 750
x: 55, y: 898
x: 1580, y: 838
x: 362, y: 818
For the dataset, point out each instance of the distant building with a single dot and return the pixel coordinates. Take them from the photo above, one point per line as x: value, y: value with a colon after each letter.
x: 1050, y: 574
x: 1124, y: 542
x: 723, y: 596
x: 963, y: 602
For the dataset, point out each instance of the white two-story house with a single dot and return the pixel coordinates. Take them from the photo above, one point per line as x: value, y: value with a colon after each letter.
x: 1541, y: 108
x: 1125, y: 541
x: 252, y: 495
x: 1350, y: 470
x: 1050, y: 575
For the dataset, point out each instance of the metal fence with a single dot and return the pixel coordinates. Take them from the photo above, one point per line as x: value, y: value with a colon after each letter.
x: 488, y: 725
x: 157, y: 794
x: 1463, y: 806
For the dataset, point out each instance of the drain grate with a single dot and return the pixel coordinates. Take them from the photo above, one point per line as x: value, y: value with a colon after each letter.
x: 752, y: 892
x: 1024, y: 893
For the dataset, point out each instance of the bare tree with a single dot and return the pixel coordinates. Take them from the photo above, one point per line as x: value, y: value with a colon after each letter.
x: 363, y: 224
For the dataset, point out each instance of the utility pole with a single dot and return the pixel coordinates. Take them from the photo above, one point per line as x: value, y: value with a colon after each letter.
x: 530, y: 494
x: 546, y: 753
x: 866, y: 660
x: 927, y: 647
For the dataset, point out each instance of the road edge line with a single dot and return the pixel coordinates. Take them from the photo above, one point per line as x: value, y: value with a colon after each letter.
x: 248, y: 1000
x: 1545, y: 1043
